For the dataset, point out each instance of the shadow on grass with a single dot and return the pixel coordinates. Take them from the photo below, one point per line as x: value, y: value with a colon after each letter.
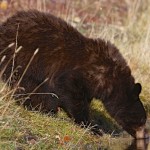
x: 100, y: 117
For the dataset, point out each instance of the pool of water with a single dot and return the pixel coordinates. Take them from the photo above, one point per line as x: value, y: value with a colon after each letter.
x: 126, y: 144
x: 120, y: 144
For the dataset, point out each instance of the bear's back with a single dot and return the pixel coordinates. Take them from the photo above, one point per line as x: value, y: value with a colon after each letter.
x: 35, y: 29
x: 60, y: 45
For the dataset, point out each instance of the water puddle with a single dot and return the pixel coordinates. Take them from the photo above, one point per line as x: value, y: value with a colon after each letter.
x: 126, y: 144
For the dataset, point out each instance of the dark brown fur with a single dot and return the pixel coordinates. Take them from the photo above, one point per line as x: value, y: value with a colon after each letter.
x: 77, y: 68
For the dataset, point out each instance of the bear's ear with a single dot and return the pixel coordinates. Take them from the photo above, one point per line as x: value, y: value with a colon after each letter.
x: 137, y: 89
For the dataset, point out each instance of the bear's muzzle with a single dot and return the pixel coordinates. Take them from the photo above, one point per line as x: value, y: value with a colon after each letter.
x: 141, y: 133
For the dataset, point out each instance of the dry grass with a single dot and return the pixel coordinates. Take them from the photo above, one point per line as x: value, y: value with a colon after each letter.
x: 124, y: 23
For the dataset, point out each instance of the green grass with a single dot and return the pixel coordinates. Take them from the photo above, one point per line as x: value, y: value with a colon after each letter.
x: 18, y: 124
x: 22, y: 129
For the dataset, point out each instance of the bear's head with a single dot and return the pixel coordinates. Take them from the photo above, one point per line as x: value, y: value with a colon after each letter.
x: 132, y: 116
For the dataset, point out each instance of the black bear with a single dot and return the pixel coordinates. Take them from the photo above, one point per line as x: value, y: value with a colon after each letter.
x: 42, y: 54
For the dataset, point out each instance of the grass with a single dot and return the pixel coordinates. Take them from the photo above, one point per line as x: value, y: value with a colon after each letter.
x: 125, y: 24
x: 31, y: 130
x: 23, y: 129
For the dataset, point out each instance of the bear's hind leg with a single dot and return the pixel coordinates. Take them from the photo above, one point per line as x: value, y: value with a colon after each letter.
x: 37, y: 96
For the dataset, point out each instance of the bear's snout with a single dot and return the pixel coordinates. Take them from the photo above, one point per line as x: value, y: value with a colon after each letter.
x: 141, y: 133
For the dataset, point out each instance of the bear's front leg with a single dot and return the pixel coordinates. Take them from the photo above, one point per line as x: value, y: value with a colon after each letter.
x: 75, y: 98
x: 79, y: 111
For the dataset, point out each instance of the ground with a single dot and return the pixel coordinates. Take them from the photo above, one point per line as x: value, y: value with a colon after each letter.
x: 125, y: 24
